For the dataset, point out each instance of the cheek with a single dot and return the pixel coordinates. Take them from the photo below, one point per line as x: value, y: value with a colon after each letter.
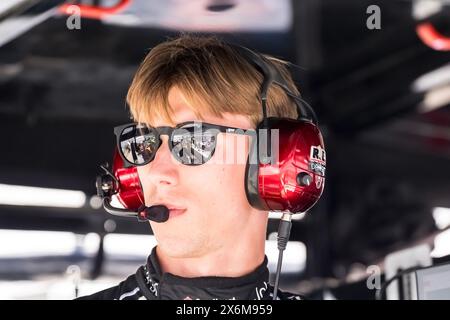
x: 224, y: 175
x: 222, y: 187
x: 144, y: 183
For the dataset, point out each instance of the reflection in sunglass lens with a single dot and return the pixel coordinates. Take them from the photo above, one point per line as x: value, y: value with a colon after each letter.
x: 139, y: 144
x: 193, y: 148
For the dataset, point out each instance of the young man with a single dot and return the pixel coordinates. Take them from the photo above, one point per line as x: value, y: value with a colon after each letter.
x: 212, y: 245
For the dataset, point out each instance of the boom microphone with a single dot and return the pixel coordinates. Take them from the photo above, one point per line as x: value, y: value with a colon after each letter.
x: 156, y: 213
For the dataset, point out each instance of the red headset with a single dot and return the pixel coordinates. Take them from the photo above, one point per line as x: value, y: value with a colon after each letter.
x: 290, y: 177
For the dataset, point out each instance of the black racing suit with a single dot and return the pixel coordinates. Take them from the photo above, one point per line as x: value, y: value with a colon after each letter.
x: 149, y: 283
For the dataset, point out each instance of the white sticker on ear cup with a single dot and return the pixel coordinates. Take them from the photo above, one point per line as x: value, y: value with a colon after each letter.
x: 317, y: 160
x: 317, y: 168
x: 317, y: 153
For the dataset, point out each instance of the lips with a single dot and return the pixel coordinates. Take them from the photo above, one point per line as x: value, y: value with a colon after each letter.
x: 174, y: 210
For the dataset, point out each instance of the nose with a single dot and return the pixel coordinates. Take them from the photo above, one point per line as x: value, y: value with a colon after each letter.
x: 162, y: 171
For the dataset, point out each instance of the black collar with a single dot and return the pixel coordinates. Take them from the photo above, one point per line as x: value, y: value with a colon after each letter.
x: 166, y: 286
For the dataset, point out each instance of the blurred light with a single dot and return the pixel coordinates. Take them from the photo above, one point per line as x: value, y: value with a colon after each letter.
x: 52, y: 288
x: 129, y: 244
x: 26, y: 243
x: 294, y: 257
x: 95, y: 202
x: 272, y: 236
x: 441, y: 245
x: 422, y: 9
x: 91, y: 242
x: 433, y: 79
x: 441, y: 217
x: 109, y: 225
x: 43, y: 197
x: 23, y: 243
x: 328, y: 295
x: 25, y: 289
x: 65, y: 289
x: 9, y: 4
x: 435, y: 99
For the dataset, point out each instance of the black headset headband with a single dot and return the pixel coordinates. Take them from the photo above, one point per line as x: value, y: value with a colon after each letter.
x: 272, y: 75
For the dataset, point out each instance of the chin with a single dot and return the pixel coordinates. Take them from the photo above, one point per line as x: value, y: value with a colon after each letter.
x: 182, y: 248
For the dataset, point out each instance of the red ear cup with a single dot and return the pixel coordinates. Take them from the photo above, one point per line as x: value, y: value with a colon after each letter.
x: 295, y: 177
x: 128, y: 189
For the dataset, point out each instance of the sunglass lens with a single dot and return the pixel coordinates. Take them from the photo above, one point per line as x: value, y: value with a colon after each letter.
x: 139, y: 144
x: 193, y: 148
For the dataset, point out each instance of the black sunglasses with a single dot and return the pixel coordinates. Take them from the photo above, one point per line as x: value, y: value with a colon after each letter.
x: 191, y: 143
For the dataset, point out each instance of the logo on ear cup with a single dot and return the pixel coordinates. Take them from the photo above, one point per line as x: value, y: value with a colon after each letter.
x: 317, y: 160
x: 317, y: 168
x: 317, y: 153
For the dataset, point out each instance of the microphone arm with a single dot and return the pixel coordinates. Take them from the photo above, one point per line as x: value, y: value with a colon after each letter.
x: 118, y: 211
x: 157, y: 213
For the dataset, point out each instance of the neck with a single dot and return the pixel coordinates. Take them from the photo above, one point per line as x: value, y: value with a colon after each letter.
x: 235, y: 259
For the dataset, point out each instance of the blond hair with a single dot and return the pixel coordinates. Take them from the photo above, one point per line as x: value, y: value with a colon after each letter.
x: 213, y: 77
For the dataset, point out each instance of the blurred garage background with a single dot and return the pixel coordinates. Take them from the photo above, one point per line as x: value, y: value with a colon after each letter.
x: 376, y: 72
